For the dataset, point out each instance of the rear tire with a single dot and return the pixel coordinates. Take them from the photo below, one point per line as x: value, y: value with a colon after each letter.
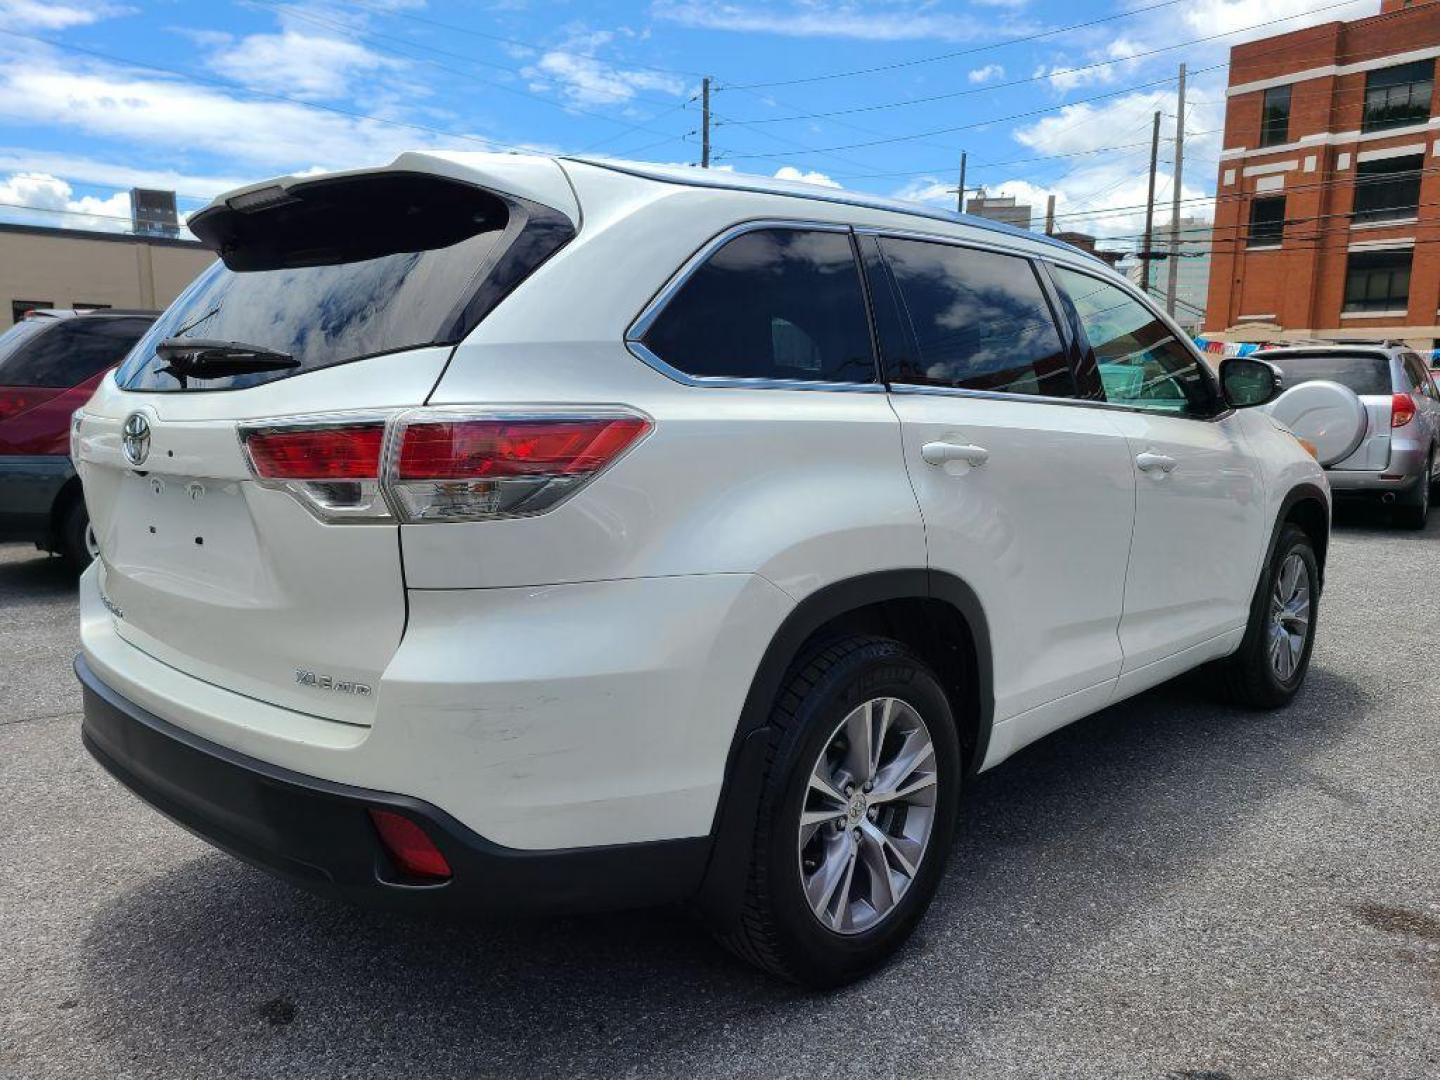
x: 1415, y: 511
x: 814, y: 911
x: 76, y: 539
x: 1270, y: 665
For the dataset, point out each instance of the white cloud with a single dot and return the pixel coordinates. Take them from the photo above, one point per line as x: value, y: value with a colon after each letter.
x: 50, y: 201
x: 1105, y: 194
x: 299, y: 64
x: 789, y: 172
x: 583, y: 78
x: 1223, y: 16
x: 170, y: 116
x: 1099, y: 66
x: 38, y: 15
x: 929, y: 189
x: 988, y: 73
x: 828, y: 19
x: 105, y: 173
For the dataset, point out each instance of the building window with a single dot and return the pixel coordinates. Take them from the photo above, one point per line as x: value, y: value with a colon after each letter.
x: 1389, y: 189
x: 1397, y: 96
x: 1378, y: 281
x: 1275, y: 116
x: 1267, y: 222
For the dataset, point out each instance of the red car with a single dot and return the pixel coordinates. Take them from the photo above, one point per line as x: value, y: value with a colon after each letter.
x: 50, y: 362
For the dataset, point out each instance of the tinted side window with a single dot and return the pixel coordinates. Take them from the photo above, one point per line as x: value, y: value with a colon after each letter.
x: 1142, y: 363
x: 70, y: 351
x: 980, y: 319
x: 770, y: 304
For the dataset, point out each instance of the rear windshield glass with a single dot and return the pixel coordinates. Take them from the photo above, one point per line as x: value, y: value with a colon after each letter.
x: 319, y: 277
x: 1362, y: 373
x: 64, y: 352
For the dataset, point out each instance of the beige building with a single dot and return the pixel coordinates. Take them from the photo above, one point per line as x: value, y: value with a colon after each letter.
x: 43, y: 267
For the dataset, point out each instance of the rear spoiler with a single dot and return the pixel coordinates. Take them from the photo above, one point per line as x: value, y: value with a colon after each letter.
x: 420, y: 202
x: 530, y: 177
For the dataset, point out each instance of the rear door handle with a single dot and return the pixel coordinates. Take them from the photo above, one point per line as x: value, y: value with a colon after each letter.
x: 938, y: 453
x: 1149, y: 462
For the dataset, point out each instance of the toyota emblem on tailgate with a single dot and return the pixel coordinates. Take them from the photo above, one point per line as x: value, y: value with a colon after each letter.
x: 135, y: 439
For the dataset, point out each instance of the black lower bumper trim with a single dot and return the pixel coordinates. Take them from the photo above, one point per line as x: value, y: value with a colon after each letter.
x: 318, y: 834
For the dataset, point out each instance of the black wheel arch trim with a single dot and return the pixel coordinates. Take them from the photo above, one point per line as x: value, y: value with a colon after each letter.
x: 721, y: 891
x: 1300, y: 493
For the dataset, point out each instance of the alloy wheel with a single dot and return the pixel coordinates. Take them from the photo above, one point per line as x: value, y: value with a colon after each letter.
x: 1289, y: 616
x: 867, y: 816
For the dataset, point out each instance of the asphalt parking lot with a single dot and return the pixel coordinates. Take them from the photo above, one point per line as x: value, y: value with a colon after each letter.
x: 1170, y: 889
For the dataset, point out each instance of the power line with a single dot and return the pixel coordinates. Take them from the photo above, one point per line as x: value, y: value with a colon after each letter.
x: 993, y: 119
x: 383, y: 46
x: 229, y: 84
x: 270, y: 95
x: 1043, y: 77
x: 392, y: 12
x: 958, y: 53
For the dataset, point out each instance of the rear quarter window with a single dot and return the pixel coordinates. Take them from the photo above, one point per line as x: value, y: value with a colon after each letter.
x: 777, y: 304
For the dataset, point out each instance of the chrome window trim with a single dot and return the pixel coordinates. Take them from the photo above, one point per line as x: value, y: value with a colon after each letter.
x: 1043, y: 399
x: 641, y: 352
x: 980, y: 243
x: 642, y: 322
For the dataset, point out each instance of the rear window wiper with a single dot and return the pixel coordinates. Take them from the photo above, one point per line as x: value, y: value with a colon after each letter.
x: 199, y: 358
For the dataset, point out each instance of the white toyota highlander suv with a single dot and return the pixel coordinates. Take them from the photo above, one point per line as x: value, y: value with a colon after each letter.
x: 492, y: 531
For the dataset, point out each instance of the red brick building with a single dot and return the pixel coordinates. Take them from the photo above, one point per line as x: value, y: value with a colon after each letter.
x: 1327, y: 215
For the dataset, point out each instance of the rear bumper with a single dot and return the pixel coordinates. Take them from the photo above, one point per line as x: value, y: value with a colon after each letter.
x: 317, y: 833
x: 1407, y: 463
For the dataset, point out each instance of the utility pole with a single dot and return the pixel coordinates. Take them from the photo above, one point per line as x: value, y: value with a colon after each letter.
x: 1174, y: 268
x: 705, y: 122
x: 960, y: 191
x: 1050, y: 216
x: 1148, y: 249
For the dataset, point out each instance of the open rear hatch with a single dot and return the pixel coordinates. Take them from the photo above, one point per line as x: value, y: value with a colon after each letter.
x: 231, y: 466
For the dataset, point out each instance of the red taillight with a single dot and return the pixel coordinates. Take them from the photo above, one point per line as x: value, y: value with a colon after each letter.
x: 414, y: 853
x: 439, y: 464
x: 458, y: 467
x: 478, y: 449
x: 339, y: 452
x: 1402, y: 410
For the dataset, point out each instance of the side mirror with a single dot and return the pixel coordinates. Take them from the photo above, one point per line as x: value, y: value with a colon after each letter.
x: 1247, y: 382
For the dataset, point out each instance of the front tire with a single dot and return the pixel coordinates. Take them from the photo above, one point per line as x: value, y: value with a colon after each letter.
x: 856, y: 815
x: 1270, y: 665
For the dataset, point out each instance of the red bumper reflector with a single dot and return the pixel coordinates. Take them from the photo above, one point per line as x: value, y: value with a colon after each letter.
x: 414, y: 853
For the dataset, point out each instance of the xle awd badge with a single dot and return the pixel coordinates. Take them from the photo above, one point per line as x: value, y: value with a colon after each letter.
x: 325, y: 682
x: 135, y: 439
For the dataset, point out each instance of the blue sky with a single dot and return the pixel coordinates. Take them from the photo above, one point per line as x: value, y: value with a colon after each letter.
x: 98, y: 96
